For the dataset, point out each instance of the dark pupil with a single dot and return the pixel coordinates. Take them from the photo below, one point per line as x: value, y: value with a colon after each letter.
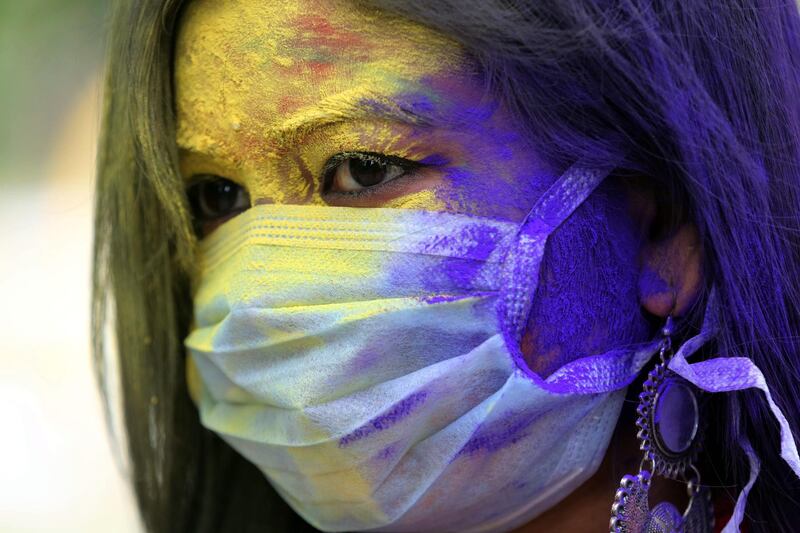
x: 219, y: 197
x: 366, y: 173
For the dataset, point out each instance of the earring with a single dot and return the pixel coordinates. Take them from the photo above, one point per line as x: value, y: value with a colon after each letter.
x: 670, y: 435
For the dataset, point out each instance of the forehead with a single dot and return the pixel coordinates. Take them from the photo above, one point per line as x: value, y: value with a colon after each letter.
x: 279, y: 63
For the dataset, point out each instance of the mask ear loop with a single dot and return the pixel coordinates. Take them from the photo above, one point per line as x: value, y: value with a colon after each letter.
x: 670, y: 435
x: 519, y: 276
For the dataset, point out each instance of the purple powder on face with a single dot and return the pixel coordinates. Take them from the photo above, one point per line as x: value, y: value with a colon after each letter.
x: 434, y: 160
x: 438, y: 97
x: 418, y: 103
x: 420, y: 107
x: 651, y: 283
x: 483, y: 192
x: 397, y: 413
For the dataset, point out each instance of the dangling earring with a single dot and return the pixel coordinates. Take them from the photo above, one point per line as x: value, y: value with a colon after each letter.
x: 670, y: 435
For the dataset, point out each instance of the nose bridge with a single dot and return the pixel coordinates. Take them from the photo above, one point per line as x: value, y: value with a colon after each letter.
x: 285, y: 180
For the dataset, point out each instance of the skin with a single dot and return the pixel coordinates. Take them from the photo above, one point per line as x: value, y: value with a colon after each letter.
x: 268, y: 96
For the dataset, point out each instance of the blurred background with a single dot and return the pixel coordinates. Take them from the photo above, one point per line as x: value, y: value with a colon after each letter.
x: 57, y: 468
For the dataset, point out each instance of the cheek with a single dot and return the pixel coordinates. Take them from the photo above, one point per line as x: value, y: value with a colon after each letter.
x: 490, y: 173
x: 587, y: 298
x: 494, y: 188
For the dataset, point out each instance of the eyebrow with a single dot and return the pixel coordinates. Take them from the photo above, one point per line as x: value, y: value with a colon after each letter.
x: 347, y: 106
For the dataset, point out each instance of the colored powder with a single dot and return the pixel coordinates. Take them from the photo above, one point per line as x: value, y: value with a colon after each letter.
x: 587, y: 299
x: 265, y: 95
x: 397, y: 413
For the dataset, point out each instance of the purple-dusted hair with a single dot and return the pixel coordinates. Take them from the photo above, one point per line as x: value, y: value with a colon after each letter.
x: 704, y: 97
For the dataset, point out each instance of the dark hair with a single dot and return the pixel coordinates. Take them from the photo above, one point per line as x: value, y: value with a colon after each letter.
x: 702, y: 96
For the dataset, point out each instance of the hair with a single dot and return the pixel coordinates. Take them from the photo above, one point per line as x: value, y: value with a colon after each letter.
x: 702, y: 96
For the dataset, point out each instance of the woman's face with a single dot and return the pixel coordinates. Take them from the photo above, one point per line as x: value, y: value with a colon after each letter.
x: 327, y: 103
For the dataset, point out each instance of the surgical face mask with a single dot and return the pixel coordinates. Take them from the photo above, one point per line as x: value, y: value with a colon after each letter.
x: 368, y: 362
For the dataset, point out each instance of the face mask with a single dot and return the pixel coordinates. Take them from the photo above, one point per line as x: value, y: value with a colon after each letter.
x: 368, y: 362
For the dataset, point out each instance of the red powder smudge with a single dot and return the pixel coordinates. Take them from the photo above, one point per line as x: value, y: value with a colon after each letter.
x: 326, y: 45
x: 319, y: 69
x: 313, y: 70
x: 289, y: 103
x: 319, y: 33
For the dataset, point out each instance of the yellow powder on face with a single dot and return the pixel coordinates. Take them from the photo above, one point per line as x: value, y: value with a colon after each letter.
x: 419, y: 200
x: 255, y: 82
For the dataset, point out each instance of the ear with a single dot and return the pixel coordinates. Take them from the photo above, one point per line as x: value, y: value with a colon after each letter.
x: 671, y: 272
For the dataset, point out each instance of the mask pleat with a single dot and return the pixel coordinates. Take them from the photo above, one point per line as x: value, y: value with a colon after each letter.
x: 344, y: 350
x: 270, y: 279
x: 390, y: 417
x: 415, y: 468
x: 341, y: 228
x: 543, y: 445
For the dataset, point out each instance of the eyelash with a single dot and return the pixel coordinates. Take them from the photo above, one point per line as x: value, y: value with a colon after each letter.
x: 329, y: 170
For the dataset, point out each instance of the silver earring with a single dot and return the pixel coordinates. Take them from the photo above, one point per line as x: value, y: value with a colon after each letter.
x: 670, y: 435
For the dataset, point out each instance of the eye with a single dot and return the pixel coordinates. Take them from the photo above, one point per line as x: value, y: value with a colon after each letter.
x: 349, y: 173
x: 214, y: 200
